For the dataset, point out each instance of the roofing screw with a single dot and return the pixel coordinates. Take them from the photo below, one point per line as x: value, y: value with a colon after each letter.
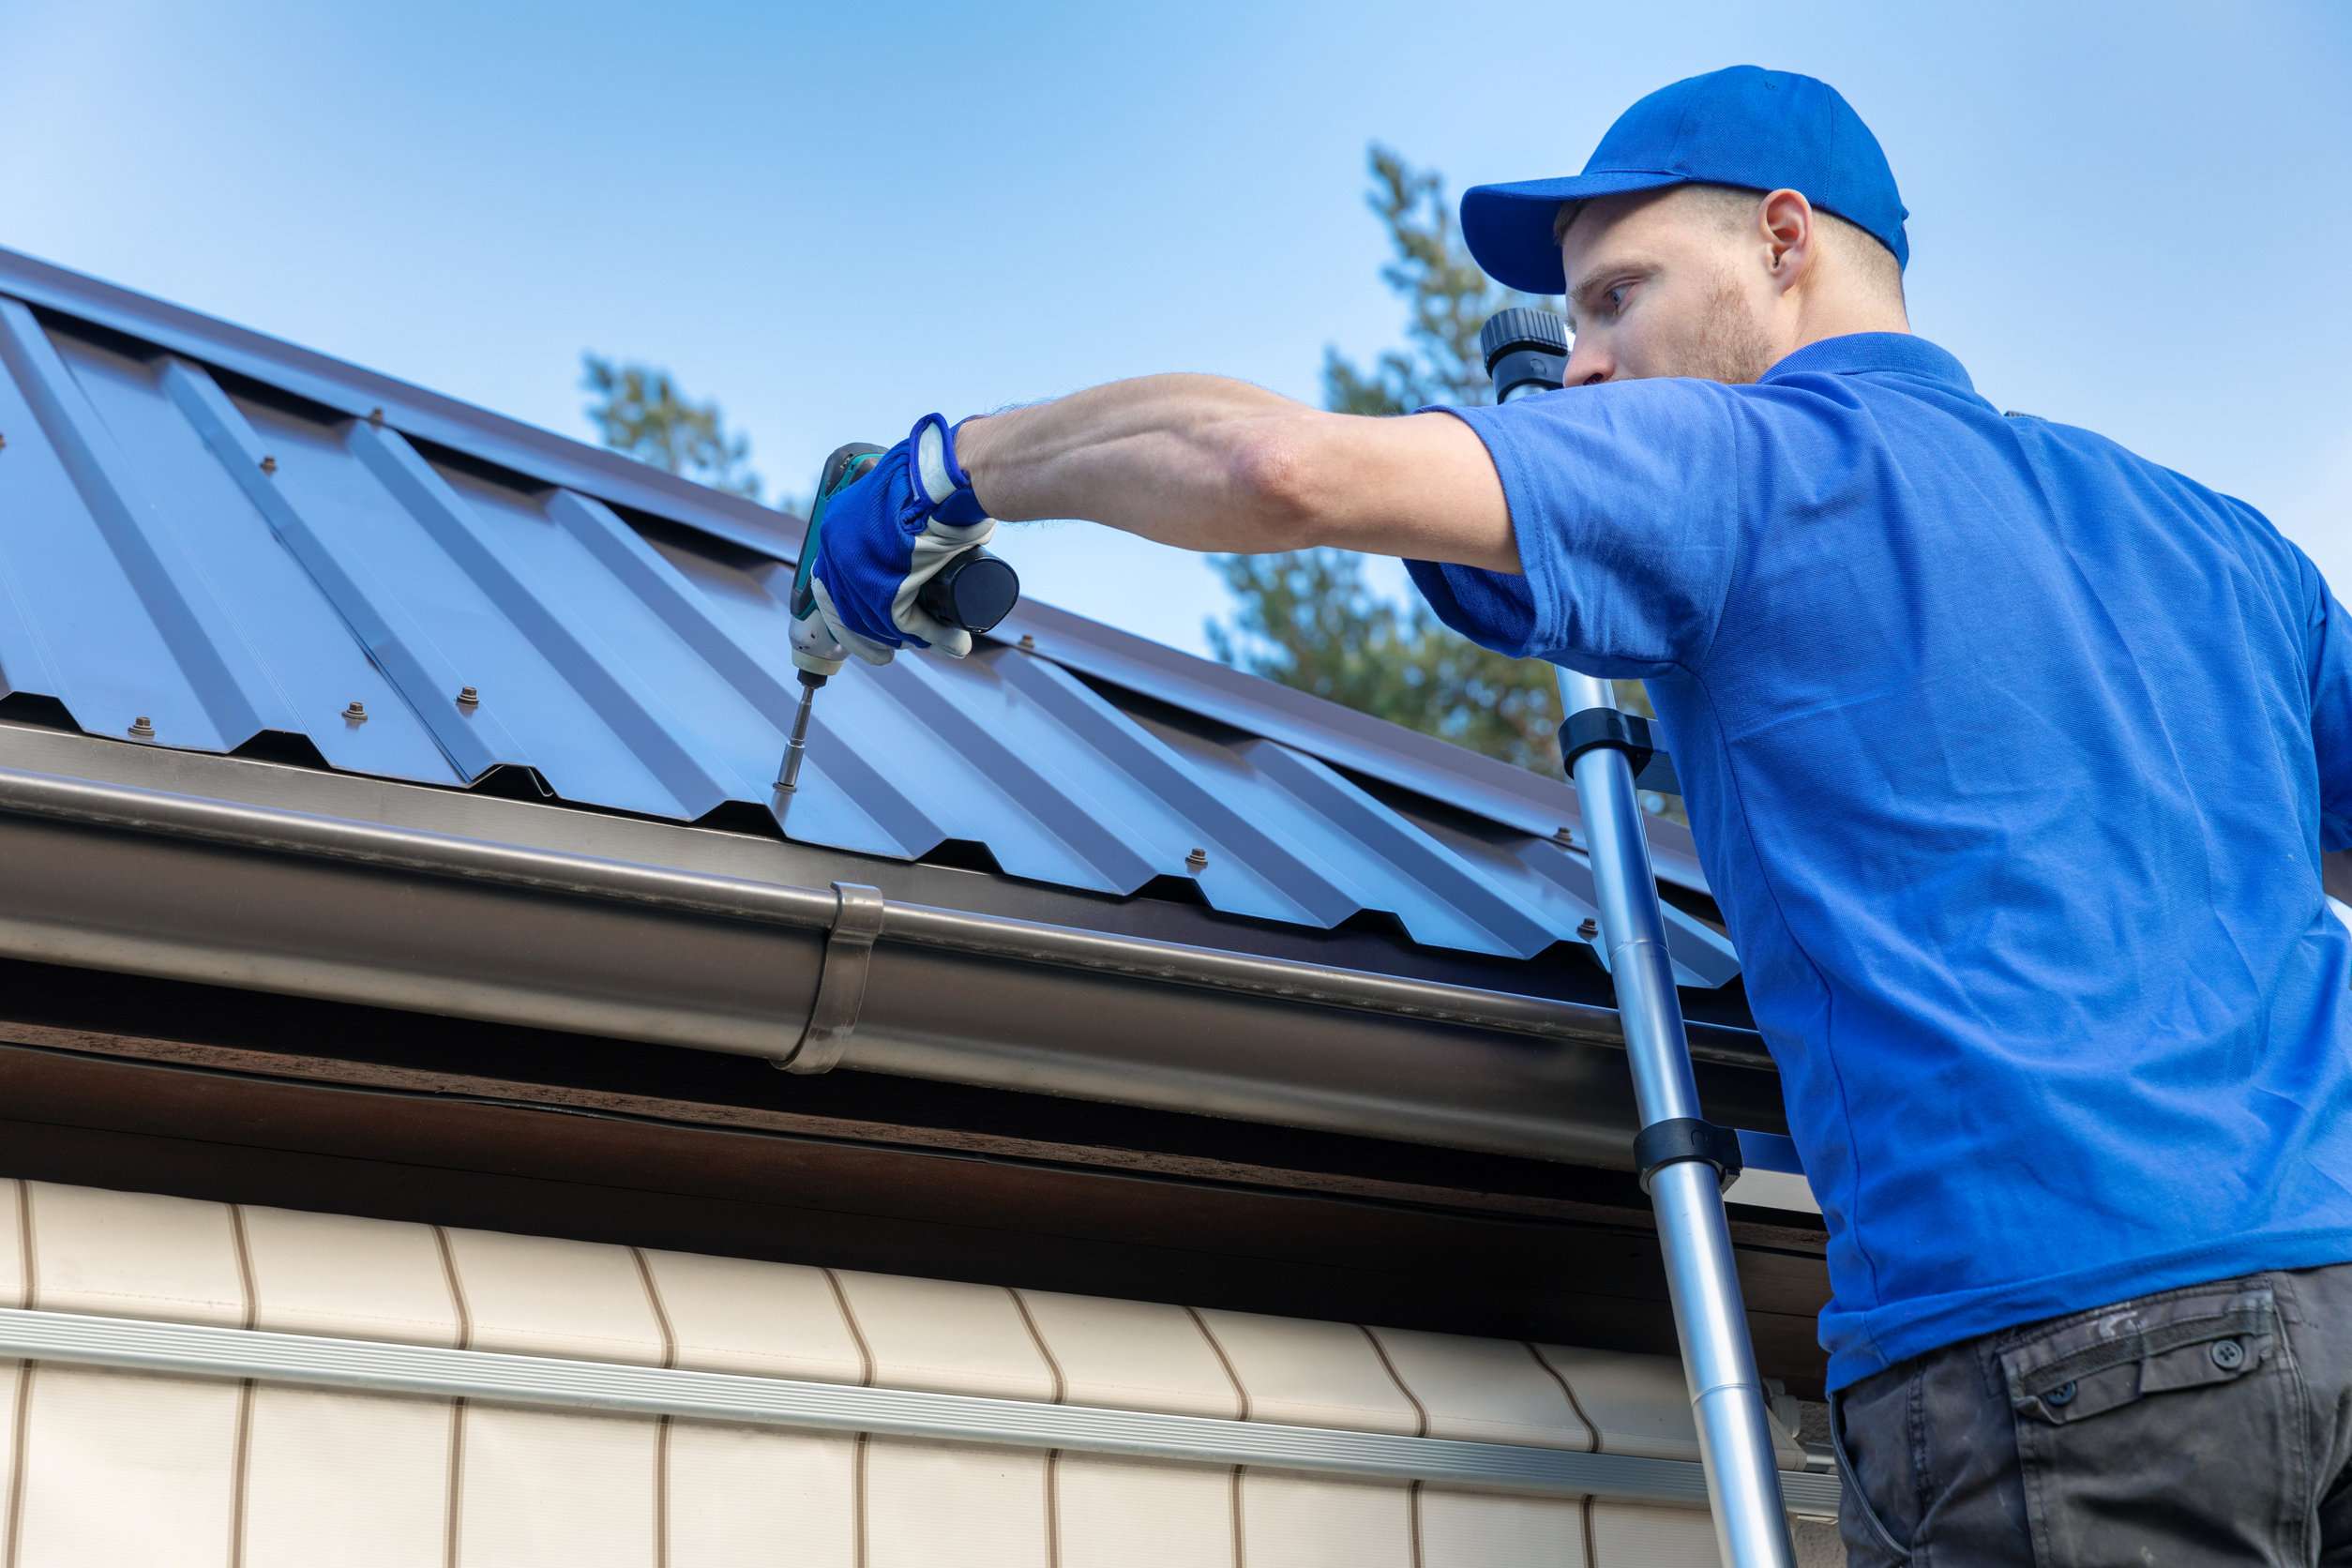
x: 1027, y: 645
x: 1197, y: 860
x: 358, y: 712
x: 269, y: 465
x: 142, y: 726
x: 375, y: 415
x: 1565, y: 838
x: 467, y: 696
x: 4, y: 443
x: 1587, y: 929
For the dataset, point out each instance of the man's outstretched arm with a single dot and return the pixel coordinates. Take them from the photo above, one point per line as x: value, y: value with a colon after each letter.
x: 1208, y: 464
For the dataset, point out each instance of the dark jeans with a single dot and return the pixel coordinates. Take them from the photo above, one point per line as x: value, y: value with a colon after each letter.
x: 2207, y: 1425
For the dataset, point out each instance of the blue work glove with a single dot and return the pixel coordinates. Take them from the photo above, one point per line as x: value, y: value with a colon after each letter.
x: 886, y: 535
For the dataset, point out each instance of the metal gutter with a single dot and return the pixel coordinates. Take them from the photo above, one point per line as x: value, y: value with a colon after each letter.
x: 111, y: 876
x: 187, y: 1350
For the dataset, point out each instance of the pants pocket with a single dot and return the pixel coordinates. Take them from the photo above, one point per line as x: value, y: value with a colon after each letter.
x: 2162, y: 1429
x: 1870, y: 1541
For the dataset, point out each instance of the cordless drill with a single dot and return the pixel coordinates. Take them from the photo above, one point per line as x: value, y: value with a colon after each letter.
x: 975, y: 591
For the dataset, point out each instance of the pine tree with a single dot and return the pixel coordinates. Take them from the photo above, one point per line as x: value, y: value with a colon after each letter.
x: 639, y: 410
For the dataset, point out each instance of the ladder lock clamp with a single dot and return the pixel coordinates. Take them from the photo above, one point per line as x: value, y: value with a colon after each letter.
x: 1580, y: 732
x: 1687, y: 1137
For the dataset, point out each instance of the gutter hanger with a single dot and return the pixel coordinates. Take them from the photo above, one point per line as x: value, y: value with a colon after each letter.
x: 842, y: 983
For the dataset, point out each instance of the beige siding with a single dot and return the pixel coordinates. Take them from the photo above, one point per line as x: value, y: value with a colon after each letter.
x: 117, y: 1467
x: 1484, y: 1389
x: 1463, y: 1530
x: 945, y: 1337
x: 1288, y: 1521
x: 548, y: 1489
x: 1630, y: 1533
x: 533, y: 1295
x: 1127, y: 1513
x: 369, y: 1469
x: 1132, y: 1355
x: 134, y: 1255
x: 1311, y: 1374
x: 741, y: 1495
x: 762, y: 1319
x: 351, y: 1278
x: 933, y: 1505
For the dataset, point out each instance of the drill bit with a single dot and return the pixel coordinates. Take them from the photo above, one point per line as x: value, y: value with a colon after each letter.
x: 796, y: 745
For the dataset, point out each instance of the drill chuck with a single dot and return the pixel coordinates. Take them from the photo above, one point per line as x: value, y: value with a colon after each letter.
x: 1525, y: 350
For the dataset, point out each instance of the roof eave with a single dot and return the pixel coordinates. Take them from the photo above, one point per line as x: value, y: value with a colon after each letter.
x: 187, y: 886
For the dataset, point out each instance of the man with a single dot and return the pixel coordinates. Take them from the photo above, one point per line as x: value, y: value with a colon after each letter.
x: 2010, y: 758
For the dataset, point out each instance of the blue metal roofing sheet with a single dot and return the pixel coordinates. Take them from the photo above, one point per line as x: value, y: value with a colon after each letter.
x: 210, y: 555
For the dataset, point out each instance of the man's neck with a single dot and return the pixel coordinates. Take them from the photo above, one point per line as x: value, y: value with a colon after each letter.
x: 1841, y: 319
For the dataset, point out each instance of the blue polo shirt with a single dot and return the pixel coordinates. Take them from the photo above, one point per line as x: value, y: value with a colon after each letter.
x: 2010, y: 756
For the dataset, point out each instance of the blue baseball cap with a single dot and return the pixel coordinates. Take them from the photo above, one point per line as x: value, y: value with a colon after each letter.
x: 1748, y: 126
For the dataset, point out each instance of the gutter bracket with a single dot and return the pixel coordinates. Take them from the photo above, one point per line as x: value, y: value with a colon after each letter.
x: 857, y: 920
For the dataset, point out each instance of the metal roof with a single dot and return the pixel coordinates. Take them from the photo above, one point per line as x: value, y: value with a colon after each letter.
x: 218, y: 541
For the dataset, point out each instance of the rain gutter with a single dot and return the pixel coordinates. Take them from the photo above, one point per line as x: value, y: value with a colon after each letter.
x: 118, y: 877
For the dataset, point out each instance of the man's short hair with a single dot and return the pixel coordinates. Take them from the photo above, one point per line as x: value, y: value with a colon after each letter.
x: 1734, y: 207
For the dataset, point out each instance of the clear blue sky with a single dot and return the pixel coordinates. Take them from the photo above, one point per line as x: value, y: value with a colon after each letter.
x: 833, y: 220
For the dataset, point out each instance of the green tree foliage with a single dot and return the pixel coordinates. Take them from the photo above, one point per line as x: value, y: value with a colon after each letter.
x: 1447, y: 300
x: 639, y: 410
x: 1311, y: 619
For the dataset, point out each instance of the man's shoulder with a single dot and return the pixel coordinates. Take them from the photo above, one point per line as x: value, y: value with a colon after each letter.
x: 2101, y: 460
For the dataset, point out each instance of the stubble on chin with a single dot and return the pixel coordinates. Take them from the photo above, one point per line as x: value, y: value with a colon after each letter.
x: 1728, y: 345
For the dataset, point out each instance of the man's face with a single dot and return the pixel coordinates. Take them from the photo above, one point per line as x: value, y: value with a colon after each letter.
x: 1659, y: 284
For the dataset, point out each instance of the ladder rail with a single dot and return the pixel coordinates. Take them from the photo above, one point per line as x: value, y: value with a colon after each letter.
x: 1727, y: 1396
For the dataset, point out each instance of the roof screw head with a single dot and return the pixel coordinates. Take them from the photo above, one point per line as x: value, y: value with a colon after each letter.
x: 1588, y: 928
x: 4, y: 443
x: 375, y: 415
x: 1199, y: 859
x: 269, y: 465
x: 1565, y: 837
x: 142, y: 726
x: 467, y: 696
x: 1027, y: 645
x: 358, y: 712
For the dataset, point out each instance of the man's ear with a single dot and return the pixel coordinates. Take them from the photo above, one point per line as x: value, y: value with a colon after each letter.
x: 1785, y: 227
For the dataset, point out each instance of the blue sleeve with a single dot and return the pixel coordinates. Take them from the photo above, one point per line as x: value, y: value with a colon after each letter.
x: 2331, y: 641
x: 1625, y: 500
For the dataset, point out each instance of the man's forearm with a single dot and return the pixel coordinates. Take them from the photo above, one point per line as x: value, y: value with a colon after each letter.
x: 1180, y: 459
x: 1208, y: 464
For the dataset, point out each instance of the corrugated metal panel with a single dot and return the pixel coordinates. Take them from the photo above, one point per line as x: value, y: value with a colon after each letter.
x: 225, y: 561
x: 1531, y: 802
